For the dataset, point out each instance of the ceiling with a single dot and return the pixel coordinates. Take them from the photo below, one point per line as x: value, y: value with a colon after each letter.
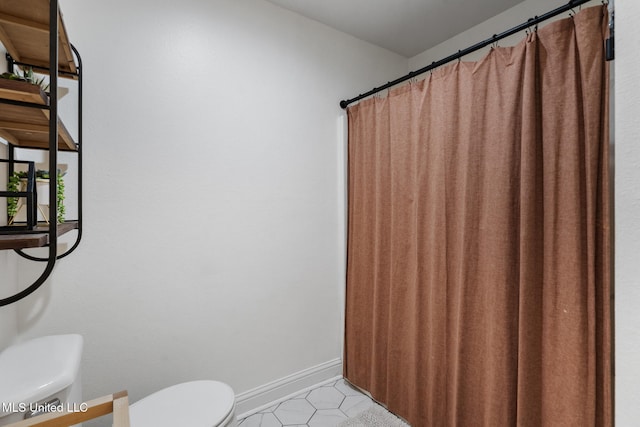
x: 407, y: 27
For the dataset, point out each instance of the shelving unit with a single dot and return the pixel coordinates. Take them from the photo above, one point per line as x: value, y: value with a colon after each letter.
x: 34, y: 36
x: 28, y: 127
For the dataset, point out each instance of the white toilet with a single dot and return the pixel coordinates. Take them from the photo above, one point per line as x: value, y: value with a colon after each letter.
x: 45, y: 372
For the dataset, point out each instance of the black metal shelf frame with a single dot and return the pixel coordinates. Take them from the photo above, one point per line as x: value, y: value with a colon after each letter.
x: 53, y: 154
x: 30, y: 194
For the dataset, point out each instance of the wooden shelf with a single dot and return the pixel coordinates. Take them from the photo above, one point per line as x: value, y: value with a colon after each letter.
x: 34, y: 239
x: 24, y: 32
x: 29, y: 127
x: 17, y: 90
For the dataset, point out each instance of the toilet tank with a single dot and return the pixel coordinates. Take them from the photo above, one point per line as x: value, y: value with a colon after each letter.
x: 42, y: 374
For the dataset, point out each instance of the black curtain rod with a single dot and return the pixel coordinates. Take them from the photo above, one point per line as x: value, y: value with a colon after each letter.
x: 530, y: 23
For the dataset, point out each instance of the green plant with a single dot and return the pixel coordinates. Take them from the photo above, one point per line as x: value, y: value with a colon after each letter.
x: 14, y: 185
x: 12, y: 202
x: 61, y: 208
x: 27, y: 76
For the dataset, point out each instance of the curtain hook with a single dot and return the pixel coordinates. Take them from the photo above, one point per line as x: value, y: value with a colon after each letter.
x: 528, y: 30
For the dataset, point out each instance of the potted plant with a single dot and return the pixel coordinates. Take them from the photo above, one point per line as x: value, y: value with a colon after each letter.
x: 18, y: 182
x: 27, y: 76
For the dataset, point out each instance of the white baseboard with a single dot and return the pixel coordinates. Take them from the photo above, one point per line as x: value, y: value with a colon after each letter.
x: 265, y: 396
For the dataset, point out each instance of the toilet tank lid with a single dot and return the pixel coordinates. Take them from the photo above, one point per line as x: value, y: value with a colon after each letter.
x: 37, y: 368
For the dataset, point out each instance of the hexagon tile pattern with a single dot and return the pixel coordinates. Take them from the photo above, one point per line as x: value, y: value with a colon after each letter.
x: 324, y: 406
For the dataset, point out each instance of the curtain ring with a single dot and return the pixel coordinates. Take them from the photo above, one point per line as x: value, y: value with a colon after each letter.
x: 494, y: 45
x: 528, y: 30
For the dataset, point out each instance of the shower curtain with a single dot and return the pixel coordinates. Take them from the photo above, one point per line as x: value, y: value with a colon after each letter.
x: 478, y: 279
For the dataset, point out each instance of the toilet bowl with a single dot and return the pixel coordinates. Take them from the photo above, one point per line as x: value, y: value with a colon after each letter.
x: 190, y: 404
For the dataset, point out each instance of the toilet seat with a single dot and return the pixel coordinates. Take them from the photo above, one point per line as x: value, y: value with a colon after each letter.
x: 190, y: 404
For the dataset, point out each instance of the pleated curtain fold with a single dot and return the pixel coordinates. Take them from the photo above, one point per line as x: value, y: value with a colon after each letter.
x: 478, y: 280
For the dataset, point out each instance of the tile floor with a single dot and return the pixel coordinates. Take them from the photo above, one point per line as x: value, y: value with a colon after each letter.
x: 324, y: 406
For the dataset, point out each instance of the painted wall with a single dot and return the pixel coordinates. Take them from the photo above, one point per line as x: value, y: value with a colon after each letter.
x: 627, y: 212
x: 627, y: 177
x: 212, y: 243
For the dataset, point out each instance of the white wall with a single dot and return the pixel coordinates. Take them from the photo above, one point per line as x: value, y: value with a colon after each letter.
x: 627, y: 212
x: 212, y: 240
x: 627, y: 178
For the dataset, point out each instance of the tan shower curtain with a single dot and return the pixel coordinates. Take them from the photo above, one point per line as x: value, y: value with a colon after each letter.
x: 478, y: 284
